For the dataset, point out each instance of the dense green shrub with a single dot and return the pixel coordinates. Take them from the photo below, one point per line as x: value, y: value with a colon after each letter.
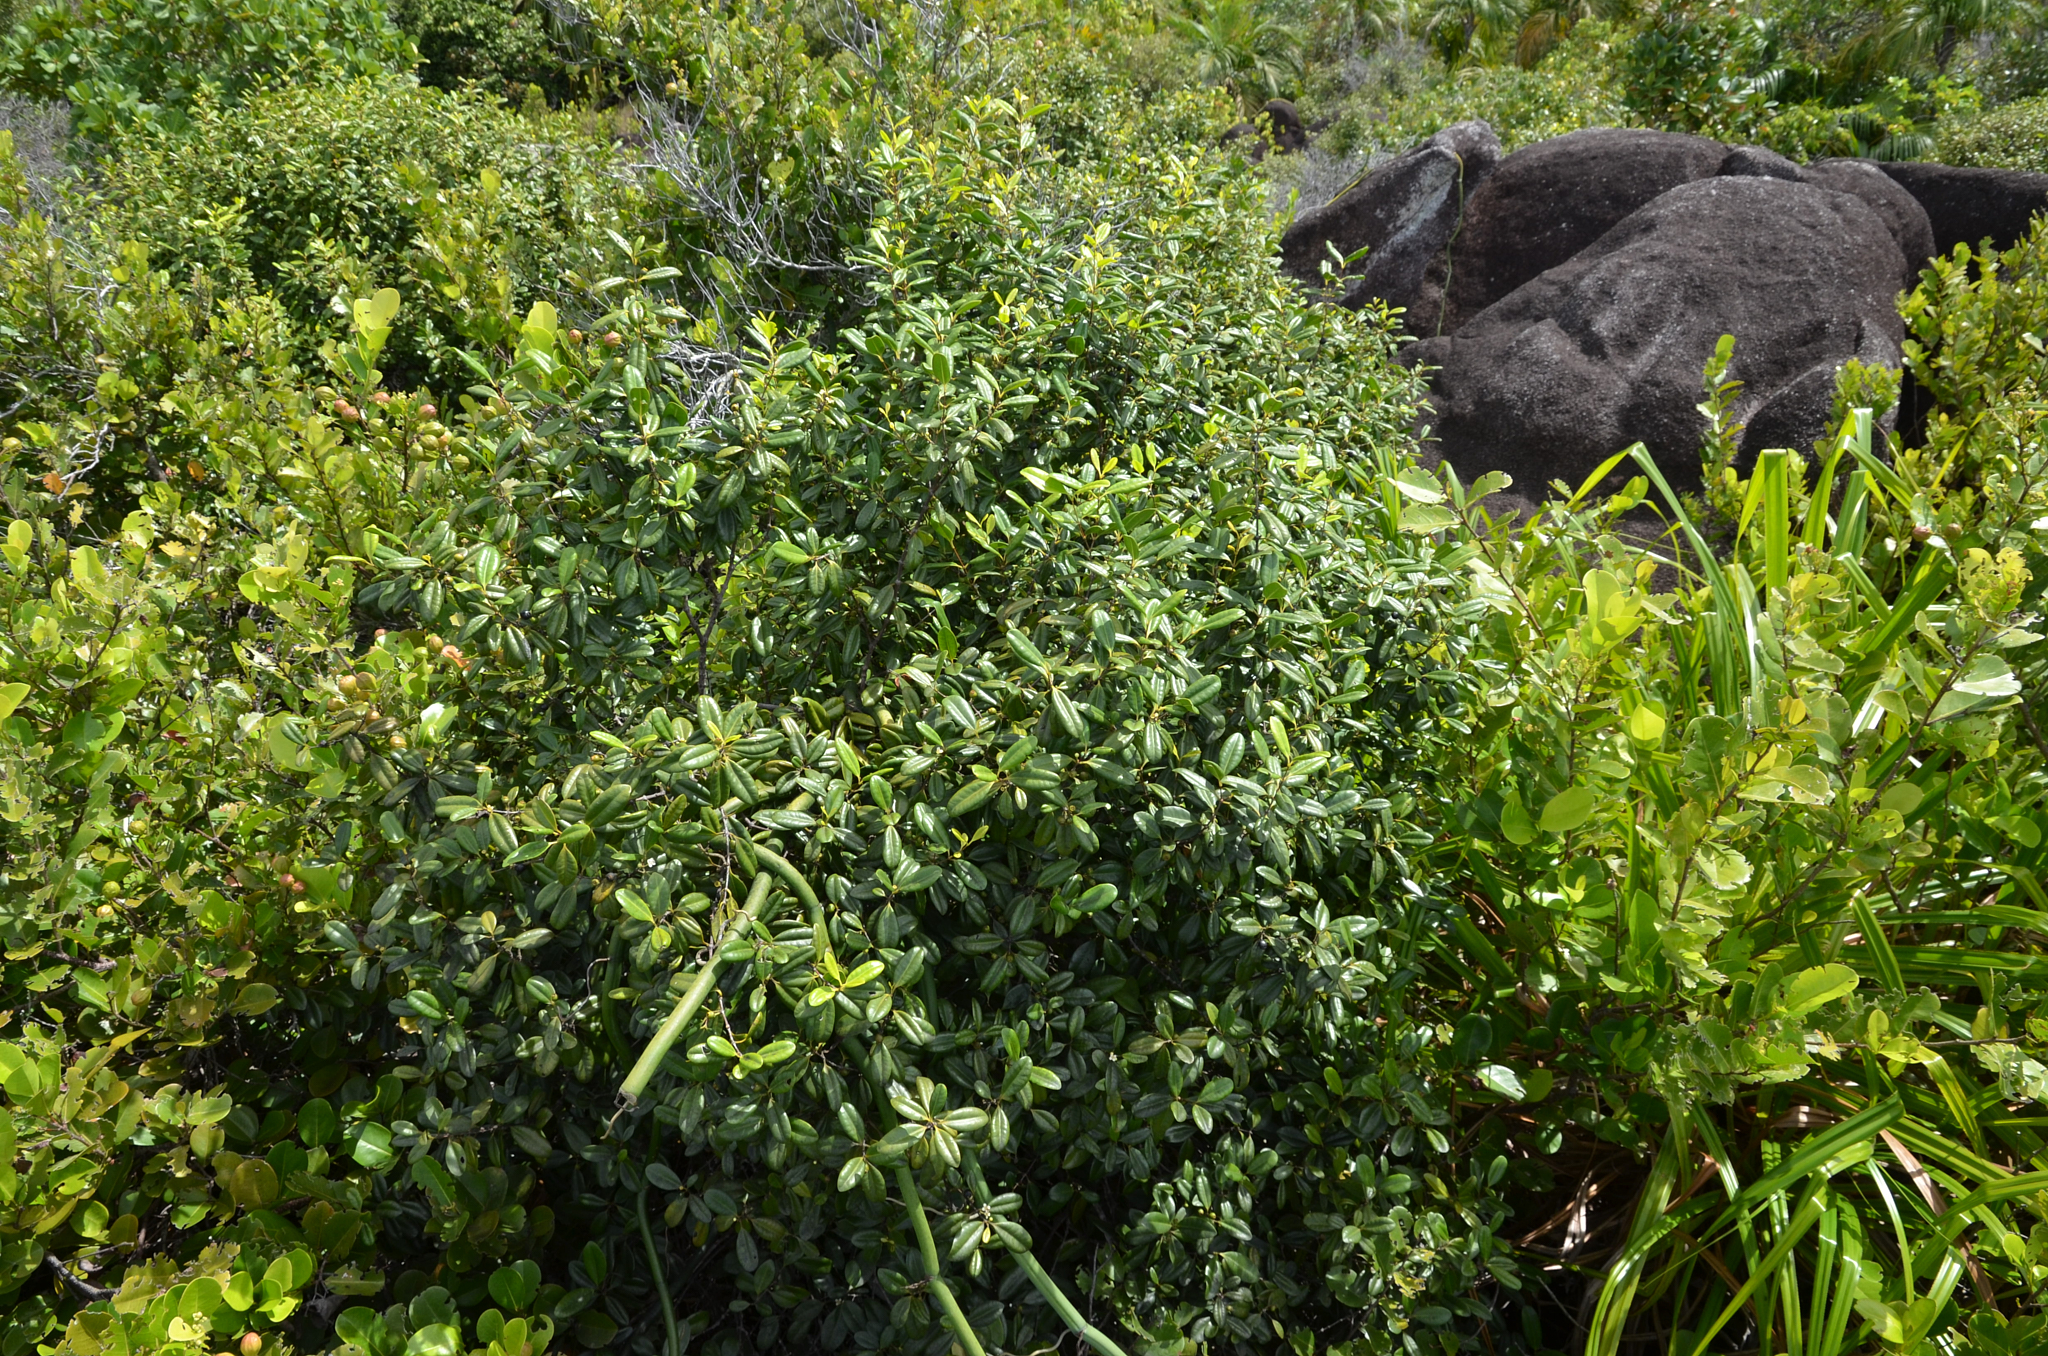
x: 1031, y: 620
x: 2014, y: 136
x: 1693, y: 66
x: 1089, y: 107
x: 1893, y: 126
x: 505, y: 47
x: 313, y: 193
x: 1813, y: 130
x: 119, y: 62
x: 1402, y: 97
x: 2017, y: 67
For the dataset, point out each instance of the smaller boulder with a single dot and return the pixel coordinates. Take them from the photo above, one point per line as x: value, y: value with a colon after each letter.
x: 1965, y: 206
x: 1402, y: 214
x: 1288, y: 135
x: 1253, y: 141
x: 1756, y: 162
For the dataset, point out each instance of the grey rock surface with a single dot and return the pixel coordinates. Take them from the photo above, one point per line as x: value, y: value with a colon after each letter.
x: 1547, y: 202
x: 1899, y: 210
x: 1403, y: 214
x: 1607, y: 348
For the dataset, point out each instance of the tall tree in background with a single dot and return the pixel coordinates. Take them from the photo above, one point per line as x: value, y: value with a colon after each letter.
x: 1923, y: 33
x: 1544, y: 25
x: 1464, y: 31
x: 1240, y: 48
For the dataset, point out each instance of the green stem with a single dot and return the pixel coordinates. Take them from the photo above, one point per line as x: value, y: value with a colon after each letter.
x: 608, y: 1007
x: 668, y: 1307
x: 693, y: 998
x: 1039, y: 1276
x: 962, y: 1329
x: 821, y: 940
x: 913, y: 1203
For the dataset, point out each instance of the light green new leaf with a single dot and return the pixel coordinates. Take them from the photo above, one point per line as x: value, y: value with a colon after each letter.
x: 1568, y: 809
x: 1503, y: 1080
x: 1813, y: 988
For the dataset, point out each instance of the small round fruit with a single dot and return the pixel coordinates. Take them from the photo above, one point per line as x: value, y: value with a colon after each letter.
x: 252, y: 1343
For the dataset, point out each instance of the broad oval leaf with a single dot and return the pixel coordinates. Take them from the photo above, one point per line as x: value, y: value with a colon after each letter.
x: 1568, y: 809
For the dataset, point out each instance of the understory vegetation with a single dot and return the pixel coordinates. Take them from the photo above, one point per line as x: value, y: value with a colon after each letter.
x: 738, y: 678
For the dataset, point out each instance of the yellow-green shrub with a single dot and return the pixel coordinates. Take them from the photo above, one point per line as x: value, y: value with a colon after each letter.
x: 2012, y: 137
x: 318, y: 192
